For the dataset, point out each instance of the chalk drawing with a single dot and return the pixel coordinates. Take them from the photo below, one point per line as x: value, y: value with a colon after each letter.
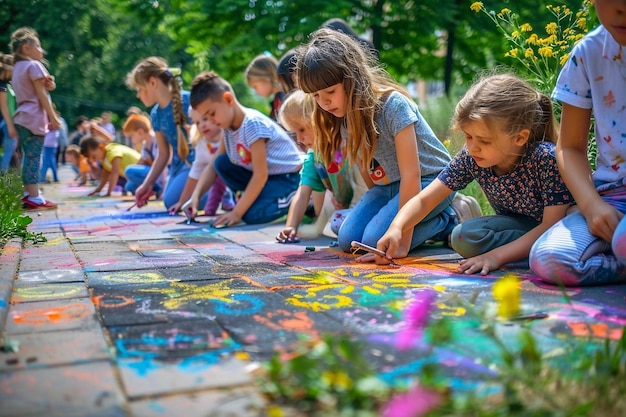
x: 43, y: 292
x: 146, y: 308
x: 112, y: 301
x: 283, y: 320
x: 61, y: 314
x: 239, y: 305
x: 134, y: 277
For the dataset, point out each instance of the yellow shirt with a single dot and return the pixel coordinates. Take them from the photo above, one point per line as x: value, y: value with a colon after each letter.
x: 128, y: 156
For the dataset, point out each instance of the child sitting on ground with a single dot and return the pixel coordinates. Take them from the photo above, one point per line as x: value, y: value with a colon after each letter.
x: 256, y: 155
x: 78, y: 163
x: 139, y: 129
x: 115, y: 158
x: 346, y: 186
x: 510, y: 134
x: 205, y: 139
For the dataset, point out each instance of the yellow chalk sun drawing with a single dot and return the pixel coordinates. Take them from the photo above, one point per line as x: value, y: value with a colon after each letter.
x: 345, y: 283
x: 181, y: 293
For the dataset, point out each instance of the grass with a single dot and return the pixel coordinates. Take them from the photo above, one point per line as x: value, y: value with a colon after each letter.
x: 13, y: 223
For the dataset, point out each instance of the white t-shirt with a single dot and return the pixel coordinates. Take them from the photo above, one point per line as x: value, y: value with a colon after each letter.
x: 594, y: 77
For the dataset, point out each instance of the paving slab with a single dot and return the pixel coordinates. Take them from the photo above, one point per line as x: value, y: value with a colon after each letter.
x: 53, y: 315
x: 81, y: 390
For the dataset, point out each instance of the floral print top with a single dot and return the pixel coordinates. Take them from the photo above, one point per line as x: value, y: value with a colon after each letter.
x: 533, y: 185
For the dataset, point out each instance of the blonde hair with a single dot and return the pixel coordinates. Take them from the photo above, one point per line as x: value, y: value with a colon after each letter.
x: 330, y: 58
x: 18, y: 38
x: 264, y: 67
x: 509, y: 104
x: 157, y: 67
x: 6, y: 66
x: 136, y: 122
x: 298, y: 105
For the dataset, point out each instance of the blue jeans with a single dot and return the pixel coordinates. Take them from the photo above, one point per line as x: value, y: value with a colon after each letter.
x: 569, y: 254
x: 31, y: 145
x: 135, y: 176
x: 275, y: 197
x: 8, y: 147
x: 48, y: 161
x: 370, y: 218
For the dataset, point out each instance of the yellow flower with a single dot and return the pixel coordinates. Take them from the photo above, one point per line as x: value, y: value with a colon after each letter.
x: 525, y: 27
x: 551, y: 28
x: 506, y: 291
x: 546, y: 51
x: 563, y: 59
x: 338, y: 379
x: 529, y: 53
x: 503, y: 12
x: 512, y: 53
x: 515, y: 34
x: 533, y: 39
x: 581, y: 23
x: 476, y: 6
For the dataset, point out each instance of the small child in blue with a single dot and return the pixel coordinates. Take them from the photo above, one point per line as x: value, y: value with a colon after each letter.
x: 385, y: 136
x: 589, y: 246
x: 256, y: 155
x: 510, y: 132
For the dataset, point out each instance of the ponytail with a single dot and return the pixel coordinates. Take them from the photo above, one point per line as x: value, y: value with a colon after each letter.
x: 546, y: 126
x: 179, y: 116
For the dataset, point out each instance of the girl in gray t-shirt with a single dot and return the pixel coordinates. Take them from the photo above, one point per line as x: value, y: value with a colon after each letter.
x: 394, y: 148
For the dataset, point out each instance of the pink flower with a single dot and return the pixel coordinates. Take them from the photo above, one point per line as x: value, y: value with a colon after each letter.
x: 414, y: 403
x: 415, y: 319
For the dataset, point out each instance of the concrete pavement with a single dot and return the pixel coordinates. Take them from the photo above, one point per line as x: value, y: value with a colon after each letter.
x: 136, y: 313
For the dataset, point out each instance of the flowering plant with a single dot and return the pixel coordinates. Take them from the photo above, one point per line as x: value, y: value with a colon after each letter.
x: 541, y: 56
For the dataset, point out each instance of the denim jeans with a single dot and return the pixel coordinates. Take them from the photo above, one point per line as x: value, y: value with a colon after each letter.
x: 48, y: 161
x: 275, y: 197
x: 31, y: 146
x: 8, y: 147
x: 135, y: 176
x: 370, y: 218
x: 569, y: 254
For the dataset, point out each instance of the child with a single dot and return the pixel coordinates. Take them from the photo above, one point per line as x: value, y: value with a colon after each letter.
x: 115, y: 158
x: 7, y: 109
x: 589, y: 246
x: 157, y: 85
x: 34, y: 116
x: 78, y: 163
x: 510, y: 135
x: 262, y: 77
x: 295, y: 114
x: 256, y: 155
x: 362, y: 110
x: 49, y: 153
x: 206, y: 139
x: 139, y: 129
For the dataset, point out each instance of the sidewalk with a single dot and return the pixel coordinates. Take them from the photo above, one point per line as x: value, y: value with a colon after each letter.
x: 136, y: 313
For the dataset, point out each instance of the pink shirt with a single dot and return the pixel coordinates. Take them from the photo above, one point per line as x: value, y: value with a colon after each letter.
x: 30, y: 113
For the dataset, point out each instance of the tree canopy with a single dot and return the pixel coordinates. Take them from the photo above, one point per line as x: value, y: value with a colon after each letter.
x: 92, y: 44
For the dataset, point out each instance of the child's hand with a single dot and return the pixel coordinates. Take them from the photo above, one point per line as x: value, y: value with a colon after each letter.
x: 603, y: 220
x: 391, y: 244
x: 142, y: 194
x: 483, y: 263
x: 288, y: 235
x: 175, y: 208
x: 227, y: 220
x: 49, y: 83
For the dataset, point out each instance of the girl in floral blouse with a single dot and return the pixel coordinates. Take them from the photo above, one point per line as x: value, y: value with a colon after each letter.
x: 510, y: 134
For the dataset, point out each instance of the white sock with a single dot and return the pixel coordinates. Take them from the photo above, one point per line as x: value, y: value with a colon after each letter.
x: 39, y: 199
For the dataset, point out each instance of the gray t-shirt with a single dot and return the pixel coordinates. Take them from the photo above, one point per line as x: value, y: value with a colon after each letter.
x: 397, y: 113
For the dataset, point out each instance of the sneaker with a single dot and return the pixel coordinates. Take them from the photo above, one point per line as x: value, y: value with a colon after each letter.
x: 32, y: 205
x: 465, y: 207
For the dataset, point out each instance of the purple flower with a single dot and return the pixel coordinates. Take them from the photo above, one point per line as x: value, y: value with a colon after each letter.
x: 415, y: 319
x: 414, y: 403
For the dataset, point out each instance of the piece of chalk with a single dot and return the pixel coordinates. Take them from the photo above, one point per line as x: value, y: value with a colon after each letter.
x: 309, y: 249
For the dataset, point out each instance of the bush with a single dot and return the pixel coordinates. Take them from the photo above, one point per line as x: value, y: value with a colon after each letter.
x: 13, y: 223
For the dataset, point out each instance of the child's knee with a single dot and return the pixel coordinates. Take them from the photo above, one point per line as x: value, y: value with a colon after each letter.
x: 468, y: 242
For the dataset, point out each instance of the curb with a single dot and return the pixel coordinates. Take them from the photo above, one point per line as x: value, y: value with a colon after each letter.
x: 9, y: 263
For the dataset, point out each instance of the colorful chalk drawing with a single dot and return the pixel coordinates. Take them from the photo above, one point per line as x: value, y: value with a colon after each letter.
x: 134, y: 277
x: 39, y: 316
x: 45, y: 292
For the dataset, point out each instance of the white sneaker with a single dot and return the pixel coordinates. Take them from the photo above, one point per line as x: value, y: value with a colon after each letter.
x: 465, y: 207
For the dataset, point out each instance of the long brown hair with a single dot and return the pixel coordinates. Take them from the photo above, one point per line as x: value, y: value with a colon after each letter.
x: 157, y: 67
x: 330, y: 58
x: 508, y: 103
